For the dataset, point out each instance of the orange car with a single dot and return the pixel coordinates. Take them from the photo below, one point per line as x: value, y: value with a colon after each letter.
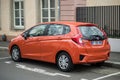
x: 63, y: 43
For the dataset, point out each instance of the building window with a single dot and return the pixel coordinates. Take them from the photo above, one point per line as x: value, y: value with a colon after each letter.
x: 48, y: 10
x: 18, y: 8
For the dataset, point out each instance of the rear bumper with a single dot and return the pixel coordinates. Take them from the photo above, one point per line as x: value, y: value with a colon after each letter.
x: 86, y: 58
x: 96, y: 58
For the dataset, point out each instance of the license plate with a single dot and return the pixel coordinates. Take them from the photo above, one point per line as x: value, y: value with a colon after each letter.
x: 96, y: 42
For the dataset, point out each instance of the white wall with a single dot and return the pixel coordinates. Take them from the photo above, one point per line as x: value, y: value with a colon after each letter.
x: 115, y: 44
x: 102, y: 2
x: 30, y: 16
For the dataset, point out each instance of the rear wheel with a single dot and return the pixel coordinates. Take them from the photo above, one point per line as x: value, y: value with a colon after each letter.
x: 64, y: 62
x: 15, y: 54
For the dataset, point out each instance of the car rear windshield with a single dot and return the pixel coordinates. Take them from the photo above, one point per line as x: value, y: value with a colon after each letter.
x: 91, y: 33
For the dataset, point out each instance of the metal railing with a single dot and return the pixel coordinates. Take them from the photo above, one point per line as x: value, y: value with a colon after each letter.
x: 107, y: 18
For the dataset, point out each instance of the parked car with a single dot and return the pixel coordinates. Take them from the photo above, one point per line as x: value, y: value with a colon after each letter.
x: 62, y: 43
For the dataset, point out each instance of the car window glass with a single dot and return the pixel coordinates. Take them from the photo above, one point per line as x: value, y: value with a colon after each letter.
x: 52, y: 30
x: 66, y: 29
x: 37, y: 31
x: 88, y: 31
x: 57, y: 29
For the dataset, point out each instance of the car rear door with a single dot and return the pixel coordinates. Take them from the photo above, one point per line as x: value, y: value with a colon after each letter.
x: 51, y: 43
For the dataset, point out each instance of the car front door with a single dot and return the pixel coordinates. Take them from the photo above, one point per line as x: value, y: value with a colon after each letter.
x: 31, y: 45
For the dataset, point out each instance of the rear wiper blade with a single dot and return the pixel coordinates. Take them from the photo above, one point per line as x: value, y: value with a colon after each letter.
x: 96, y: 37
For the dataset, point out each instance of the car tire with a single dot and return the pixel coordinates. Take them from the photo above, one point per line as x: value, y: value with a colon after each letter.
x: 64, y: 62
x: 15, y: 54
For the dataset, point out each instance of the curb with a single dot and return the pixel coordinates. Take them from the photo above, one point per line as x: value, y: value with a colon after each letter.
x: 112, y: 64
x: 3, y: 48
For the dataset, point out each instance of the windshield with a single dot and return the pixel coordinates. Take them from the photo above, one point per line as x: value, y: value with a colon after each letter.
x: 91, y: 32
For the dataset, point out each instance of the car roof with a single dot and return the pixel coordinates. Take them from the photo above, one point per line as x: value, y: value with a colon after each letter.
x: 70, y: 23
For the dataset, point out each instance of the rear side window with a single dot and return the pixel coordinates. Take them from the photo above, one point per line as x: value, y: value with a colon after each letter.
x: 56, y: 29
x: 91, y: 32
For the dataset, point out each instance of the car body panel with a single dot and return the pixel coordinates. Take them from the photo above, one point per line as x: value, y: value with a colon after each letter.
x: 46, y: 48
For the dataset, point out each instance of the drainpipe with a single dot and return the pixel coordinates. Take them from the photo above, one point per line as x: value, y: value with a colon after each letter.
x: 58, y: 10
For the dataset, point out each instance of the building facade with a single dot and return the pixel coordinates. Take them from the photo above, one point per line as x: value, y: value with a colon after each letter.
x: 19, y: 15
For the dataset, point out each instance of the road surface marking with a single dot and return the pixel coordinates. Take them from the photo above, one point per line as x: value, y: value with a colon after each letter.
x: 3, y: 47
x: 83, y: 79
x: 8, y: 62
x: 113, y: 62
x: 42, y: 71
x: 4, y: 58
x: 106, y: 76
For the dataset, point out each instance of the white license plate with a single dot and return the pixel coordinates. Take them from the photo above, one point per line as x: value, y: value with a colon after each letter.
x: 96, y: 42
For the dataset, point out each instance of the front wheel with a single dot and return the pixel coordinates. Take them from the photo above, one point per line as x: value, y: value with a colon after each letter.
x: 64, y: 62
x: 15, y: 54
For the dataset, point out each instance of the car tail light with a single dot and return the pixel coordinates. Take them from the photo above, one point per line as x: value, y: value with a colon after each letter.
x: 78, y: 39
x: 108, y: 54
x: 104, y: 34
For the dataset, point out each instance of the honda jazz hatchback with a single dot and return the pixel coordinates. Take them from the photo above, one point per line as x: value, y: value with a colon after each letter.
x: 62, y: 43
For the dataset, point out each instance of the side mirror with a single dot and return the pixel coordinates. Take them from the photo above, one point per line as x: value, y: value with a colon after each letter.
x: 25, y: 35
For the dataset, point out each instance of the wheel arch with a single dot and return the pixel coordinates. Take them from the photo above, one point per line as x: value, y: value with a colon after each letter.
x: 59, y: 52
x: 12, y: 47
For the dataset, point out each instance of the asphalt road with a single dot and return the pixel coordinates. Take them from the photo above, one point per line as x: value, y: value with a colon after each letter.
x: 37, y: 70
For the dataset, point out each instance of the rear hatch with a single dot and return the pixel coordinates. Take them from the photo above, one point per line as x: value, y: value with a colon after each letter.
x: 94, y: 39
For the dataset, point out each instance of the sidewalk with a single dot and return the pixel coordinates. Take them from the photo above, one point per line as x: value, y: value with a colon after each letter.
x: 114, y: 60
x: 4, y: 43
